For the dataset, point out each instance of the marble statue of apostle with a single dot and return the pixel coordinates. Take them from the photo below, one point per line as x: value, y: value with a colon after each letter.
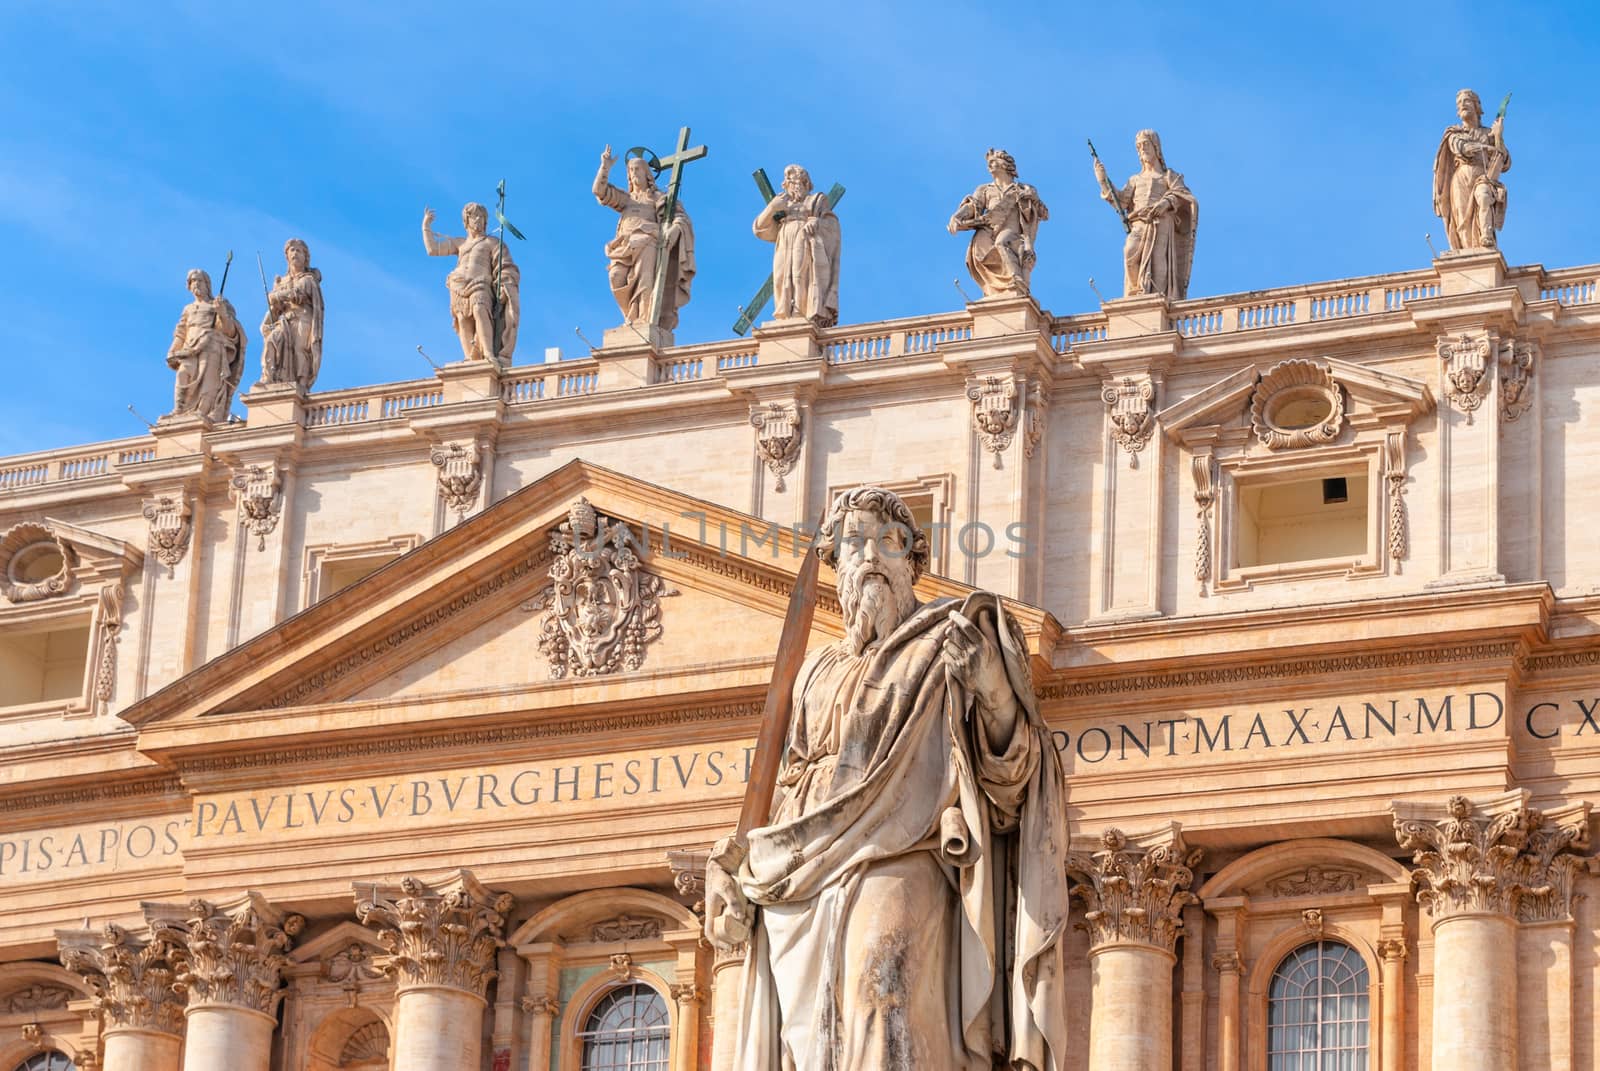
x: 804, y: 231
x: 292, y: 327
x: 484, y: 277
x: 634, y: 251
x: 1162, y: 216
x: 207, y: 352
x: 905, y: 904
x: 1004, y: 216
x: 1467, y: 192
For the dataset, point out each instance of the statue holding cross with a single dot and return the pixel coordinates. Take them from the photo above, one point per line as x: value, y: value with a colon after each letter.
x: 652, y: 254
x: 804, y: 232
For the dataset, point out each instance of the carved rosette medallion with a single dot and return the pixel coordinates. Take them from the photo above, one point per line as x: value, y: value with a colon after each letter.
x: 1466, y: 367
x: 444, y: 936
x: 778, y: 438
x: 1134, y: 893
x: 602, y: 609
x: 1130, y: 406
x: 1512, y: 861
x: 460, y: 468
x: 34, y: 564
x: 171, y: 525
x: 1517, y: 360
x: 994, y: 412
x: 133, y: 978
x: 256, y: 491
x: 1296, y: 403
x: 232, y: 953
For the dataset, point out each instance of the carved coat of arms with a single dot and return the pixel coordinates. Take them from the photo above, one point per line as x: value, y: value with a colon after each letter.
x: 601, y: 609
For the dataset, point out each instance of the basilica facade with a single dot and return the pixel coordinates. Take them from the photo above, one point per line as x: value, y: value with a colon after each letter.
x: 391, y: 726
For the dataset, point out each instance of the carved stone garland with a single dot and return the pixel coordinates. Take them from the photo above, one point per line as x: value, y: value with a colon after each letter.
x: 1517, y: 360
x: 1514, y: 863
x: 171, y: 526
x: 778, y: 438
x: 440, y: 937
x: 1134, y: 895
x: 256, y: 491
x: 994, y: 412
x: 233, y: 953
x: 1130, y: 405
x: 1466, y: 368
x: 109, y: 622
x: 601, y: 609
x: 1205, y: 497
x: 1394, y: 475
x: 460, y: 468
x: 133, y: 978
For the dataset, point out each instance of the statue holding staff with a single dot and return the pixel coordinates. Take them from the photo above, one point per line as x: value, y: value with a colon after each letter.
x: 207, y: 353
x: 1467, y: 192
x: 292, y: 327
x: 1160, y: 216
x: 484, y: 284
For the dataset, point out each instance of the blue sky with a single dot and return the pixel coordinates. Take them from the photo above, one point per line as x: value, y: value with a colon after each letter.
x: 140, y: 140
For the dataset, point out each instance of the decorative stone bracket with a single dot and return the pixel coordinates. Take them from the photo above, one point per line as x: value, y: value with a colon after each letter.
x: 995, y: 412
x: 1466, y: 369
x: 460, y: 468
x: 231, y: 953
x: 779, y: 432
x: 444, y: 935
x: 1135, y: 889
x: 1517, y: 361
x: 257, y: 492
x: 171, y: 524
x: 1130, y: 406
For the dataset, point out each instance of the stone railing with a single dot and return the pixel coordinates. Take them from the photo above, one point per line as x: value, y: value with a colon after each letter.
x: 1067, y: 333
x: 894, y: 338
x: 73, y: 463
x: 358, y: 405
x: 1301, y: 304
x: 1570, y: 286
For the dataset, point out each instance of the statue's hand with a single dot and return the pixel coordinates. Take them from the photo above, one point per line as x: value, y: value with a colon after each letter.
x: 1100, y: 172
x: 607, y: 158
x: 730, y: 917
x: 975, y: 661
x: 427, y: 217
x: 810, y: 228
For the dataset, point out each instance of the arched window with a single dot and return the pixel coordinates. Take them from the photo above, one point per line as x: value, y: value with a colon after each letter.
x: 48, y: 1061
x: 1317, y: 1014
x: 627, y: 1031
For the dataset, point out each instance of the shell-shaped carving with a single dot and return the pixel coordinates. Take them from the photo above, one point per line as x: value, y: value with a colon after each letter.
x: 367, y: 1044
x: 1297, y: 403
x: 34, y: 564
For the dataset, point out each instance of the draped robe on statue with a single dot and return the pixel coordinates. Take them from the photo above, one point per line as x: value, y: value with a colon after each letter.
x: 911, y: 884
x: 1464, y: 162
x: 805, y: 268
x: 1159, y: 251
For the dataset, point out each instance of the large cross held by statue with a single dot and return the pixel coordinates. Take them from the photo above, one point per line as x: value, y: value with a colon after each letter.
x: 673, y: 161
x: 748, y: 314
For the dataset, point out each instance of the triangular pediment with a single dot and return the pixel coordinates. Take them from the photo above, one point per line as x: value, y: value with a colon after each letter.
x: 1228, y: 400
x: 464, y: 615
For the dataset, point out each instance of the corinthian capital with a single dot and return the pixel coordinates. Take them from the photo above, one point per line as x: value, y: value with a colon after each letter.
x: 1496, y: 857
x: 1135, y: 888
x: 133, y: 977
x: 437, y: 935
x: 230, y: 953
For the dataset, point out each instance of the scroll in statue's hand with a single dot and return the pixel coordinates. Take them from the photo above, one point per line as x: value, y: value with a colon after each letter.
x: 729, y: 915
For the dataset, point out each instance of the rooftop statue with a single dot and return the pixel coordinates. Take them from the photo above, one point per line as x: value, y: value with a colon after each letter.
x: 1004, y: 216
x: 905, y: 898
x: 645, y: 243
x: 1161, y: 217
x: 1467, y: 192
x: 292, y: 327
x: 485, y: 286
x: 804, y: 230
x: 207, y: 352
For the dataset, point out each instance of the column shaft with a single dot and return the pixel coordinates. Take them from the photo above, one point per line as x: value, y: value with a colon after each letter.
x: 727, y: 984
x: 1475, y: 993
x: 1393, y: 1023
x: 1130, y: 1021
x: 140, y: 1050
x: 437, y: 1028
x: 227, y: 1037
x: 1228, y: 1019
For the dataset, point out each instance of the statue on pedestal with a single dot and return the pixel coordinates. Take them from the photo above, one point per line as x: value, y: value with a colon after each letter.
x: 905, y: 901
x: 1467, y: 192
x: 207, y: 352
x: 1161, y: 216
x: 292, y: 327
x: 641, y: 248
x: 485, y: 286
x: 1004, y: 216
x: 804, y: 231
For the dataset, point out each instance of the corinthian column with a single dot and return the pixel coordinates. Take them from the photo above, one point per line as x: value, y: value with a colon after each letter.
x: 1135, y: 890
x: 136, y: 991
x: 1476, y: 865
x: 442, y: 941
x: 231, y: 960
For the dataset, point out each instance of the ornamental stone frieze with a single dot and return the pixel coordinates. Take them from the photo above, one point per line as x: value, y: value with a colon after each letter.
x: 460, y: 468
x: 1130, y: 406
x: 437, y: 935
x: 1501, y: 857
x: 231, y: 953
x: 134, y: 977
x: 170, y: 518
x: 778, y: 437
x: 602, y: 609
x: 257, y: 491
x: 1135, y: 889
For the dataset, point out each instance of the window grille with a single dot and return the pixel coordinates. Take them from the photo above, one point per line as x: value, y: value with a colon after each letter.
x: 1317, y: 1010
x: 627, y: 1031
x: 48, y: 1061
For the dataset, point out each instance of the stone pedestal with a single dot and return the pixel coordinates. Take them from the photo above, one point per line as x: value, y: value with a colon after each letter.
x: 132, y: 976
x: 274, y: 403
x: 442, y: 938
x: 1134, y: 890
